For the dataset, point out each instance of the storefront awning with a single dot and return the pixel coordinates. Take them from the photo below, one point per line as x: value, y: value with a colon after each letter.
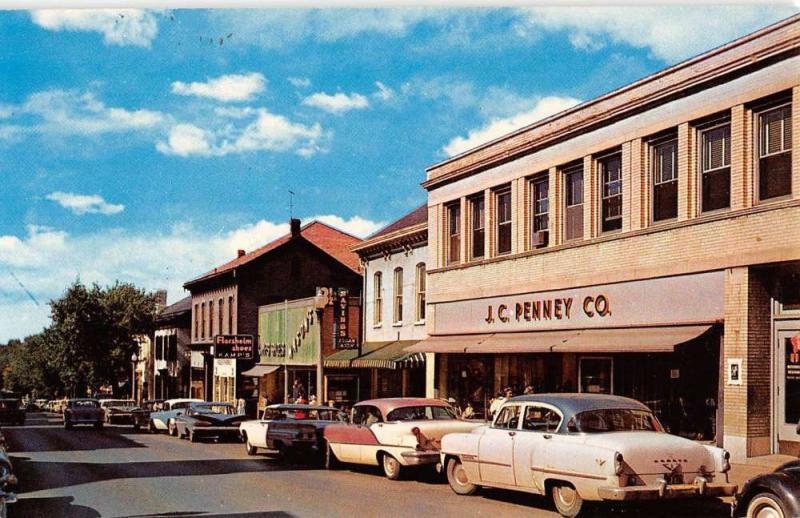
x: 261, y: 370
x: 630, y: 339
x: 377, y: 355
x: 341, y: 359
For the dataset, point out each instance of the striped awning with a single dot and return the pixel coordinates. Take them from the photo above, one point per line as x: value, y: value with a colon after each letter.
x: 341, y: 359
x: 391, y: 355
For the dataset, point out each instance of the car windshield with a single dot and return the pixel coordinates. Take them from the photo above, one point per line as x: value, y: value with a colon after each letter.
x: 421, y: 413
x: 214, y: 409
x: 614, y: 420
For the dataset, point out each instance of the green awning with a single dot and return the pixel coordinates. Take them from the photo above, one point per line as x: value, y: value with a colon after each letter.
x: 341, y: 359
x: 389, y: 355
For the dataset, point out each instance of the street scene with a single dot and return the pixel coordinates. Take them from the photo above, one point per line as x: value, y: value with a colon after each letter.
x: 408, y: 261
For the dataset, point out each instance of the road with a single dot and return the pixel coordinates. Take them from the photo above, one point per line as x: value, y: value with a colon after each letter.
x: 115, y: 472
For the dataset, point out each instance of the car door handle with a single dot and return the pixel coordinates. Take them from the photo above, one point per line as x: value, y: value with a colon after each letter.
x: 547, y: 436
x: 512, y: 434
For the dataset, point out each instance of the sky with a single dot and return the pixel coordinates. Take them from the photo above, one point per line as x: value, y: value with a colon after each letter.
x: 148, y: 146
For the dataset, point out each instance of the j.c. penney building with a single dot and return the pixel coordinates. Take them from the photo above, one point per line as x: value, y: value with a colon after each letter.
x: 645, y: 243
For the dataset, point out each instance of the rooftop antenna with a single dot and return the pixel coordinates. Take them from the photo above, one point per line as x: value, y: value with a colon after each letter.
x: 291, y: 204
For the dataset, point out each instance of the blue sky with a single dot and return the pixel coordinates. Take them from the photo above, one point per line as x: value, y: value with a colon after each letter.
x: 147, y: 146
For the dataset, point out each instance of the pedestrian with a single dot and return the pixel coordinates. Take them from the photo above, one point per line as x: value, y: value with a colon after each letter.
x: 240, y: 405
x: 469, y: 411
x: 497, y: 402
x: 529, y: 390
x: 312, y: 400
x: 297, y: 390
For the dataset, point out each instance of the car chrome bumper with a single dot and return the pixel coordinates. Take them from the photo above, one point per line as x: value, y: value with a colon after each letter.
x: 700, y: 487
x: 420, y: 457
x: 215, y: 430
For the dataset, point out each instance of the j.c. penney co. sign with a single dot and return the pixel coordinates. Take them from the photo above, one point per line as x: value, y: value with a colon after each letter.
x: 667, y: 300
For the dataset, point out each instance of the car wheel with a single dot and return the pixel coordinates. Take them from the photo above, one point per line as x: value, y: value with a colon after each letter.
x: 331, y: 462
x: 457, y: 477
x: 151, y: 427
x: 567, y: 500
x: 391, y: 467
x: 251, y: 450
x: 766, y: 505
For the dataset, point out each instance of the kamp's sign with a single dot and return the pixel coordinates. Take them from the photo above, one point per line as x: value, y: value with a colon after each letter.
x: 234, y: 347
x: 667, y: 300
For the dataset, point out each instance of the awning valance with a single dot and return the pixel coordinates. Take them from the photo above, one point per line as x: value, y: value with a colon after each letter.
x: 620, y: 340
x: 261, y: 370
x: 341, y: 359
x: 377, y: 355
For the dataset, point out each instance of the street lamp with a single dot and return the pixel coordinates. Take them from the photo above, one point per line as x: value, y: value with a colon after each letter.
x: 134, y: 359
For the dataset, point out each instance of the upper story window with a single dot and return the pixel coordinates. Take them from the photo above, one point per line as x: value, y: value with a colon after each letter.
x: 775, y: 152
x: 211, y: 319
x: 503, y: 203
x: 398, y: 295
x: 203, y: 320
x: 420, y: 292
x: 220, y: 318
x: 664, y: 169
x: 377, y: 299
x: 611, y: 203
x: 478, y: 216
x: 230, y: 314
x: 540, y: 211
x: 196, y: 321
x: 159, y: 347
x: 453, y: 233
x: 573, y: 200
x: 715, y: 168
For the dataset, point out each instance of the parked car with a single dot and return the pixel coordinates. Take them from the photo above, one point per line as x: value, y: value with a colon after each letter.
x: 580, y: 447
x: 208, y: 419
x: 11, y: 412
x: 8, y: 480
x: 140, y: 416
x: 164, y: 419
x: 290, y: 428
x: 393, y: 433
x: 117, y: 410
x: 41, y: 404
x: 83, y: 411
x: 772, y: 495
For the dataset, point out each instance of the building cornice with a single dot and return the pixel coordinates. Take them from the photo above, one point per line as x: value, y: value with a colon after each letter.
x: 412, y: 236
x: 753, y: 50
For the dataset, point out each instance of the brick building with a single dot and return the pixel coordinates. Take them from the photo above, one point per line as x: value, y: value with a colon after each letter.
x: 226, y: 300
x: 394, y: 315
x: 171, y: 352
x: 644, y: 243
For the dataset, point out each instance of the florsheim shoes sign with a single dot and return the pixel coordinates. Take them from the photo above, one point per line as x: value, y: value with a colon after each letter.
x: 234, y: 347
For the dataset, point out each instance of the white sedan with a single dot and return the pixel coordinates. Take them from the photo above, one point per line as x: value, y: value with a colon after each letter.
x: 579, y: 447
x: 170, y: 409
x: 255, y: 432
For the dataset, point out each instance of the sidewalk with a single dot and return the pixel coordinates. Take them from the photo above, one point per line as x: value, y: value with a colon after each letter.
x: 743, y: 471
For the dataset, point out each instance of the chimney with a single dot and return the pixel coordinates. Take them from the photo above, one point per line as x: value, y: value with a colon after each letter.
x: 239, y: 253
x: 295, y: 225
x: 161, y: 299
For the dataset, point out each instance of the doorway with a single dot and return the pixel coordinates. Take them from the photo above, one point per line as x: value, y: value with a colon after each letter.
x: 787, y: 378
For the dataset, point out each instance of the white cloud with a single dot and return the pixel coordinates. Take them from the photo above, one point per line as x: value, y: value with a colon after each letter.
x: 337, y: 103
x: 497, y: 127
x: 232, y: 87
x: 70, y: 112
x: 81, y: 204
x: 300, y: 82
x: 672, y: 32
x: 263, y: 131
x: 118, y: 26
x: 384, y: 93
x: 47, y: 260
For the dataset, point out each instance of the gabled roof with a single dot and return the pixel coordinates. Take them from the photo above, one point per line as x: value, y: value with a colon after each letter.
x: 330, y: 240
x: 411, y: 229
x: 413, y: 218
x: 185, y: 304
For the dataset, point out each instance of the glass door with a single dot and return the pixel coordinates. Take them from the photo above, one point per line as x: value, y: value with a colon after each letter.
x: 788, y: 378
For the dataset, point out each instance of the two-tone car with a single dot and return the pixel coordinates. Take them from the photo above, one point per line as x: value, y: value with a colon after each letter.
x: 117, y: 411
x: 140, y: 416
x: 164, y: 419
x: 83, y: 411
x: 209, y: 420
x: 394, y: 433
x: 583, y: 447
x: 301, y: 433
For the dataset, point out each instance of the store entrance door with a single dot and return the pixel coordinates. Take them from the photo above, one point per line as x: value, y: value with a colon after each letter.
x: 788, y: 381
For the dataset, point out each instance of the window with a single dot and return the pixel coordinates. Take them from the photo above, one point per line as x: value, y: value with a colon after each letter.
x: 715, y: 170
x: 171, y: 352
x: 398, y: 295
x: 377, y: 299
x: 421, y: 413
x: 203, y: 320
x: 159, y: 347
x: 453, y: 233
x: 573, y: 193
x: 366, y: 415
x: 503, y: 198
x: 230, y: 315
x: 478, y: 212
x: 420, y: 298
x: 611, y: 175
x: 196, y: 322
x: 220, y: 318
x: 596, y: 375
x: 211, y: 318
x: 775, y: 152
x: 664, y: 167
x: 508, y: 417
x: 541, y: 419
x: 540, y: 211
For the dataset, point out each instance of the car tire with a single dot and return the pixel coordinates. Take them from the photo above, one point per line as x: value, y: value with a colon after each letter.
x: 391, y: 467
x: 251, y: 450
x: 766, y: 505
x: 567, y: 500
x: 331, y: 462
x: 457, y: 478
x: 151, y: 427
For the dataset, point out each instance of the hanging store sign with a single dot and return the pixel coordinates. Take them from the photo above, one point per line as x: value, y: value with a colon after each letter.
x: 234, y: 347
x: 341, y: 333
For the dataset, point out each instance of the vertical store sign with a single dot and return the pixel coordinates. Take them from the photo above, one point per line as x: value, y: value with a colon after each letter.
x: 341, y: 335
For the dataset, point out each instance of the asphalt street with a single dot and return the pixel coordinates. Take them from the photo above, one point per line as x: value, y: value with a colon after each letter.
x: 115, y: 472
